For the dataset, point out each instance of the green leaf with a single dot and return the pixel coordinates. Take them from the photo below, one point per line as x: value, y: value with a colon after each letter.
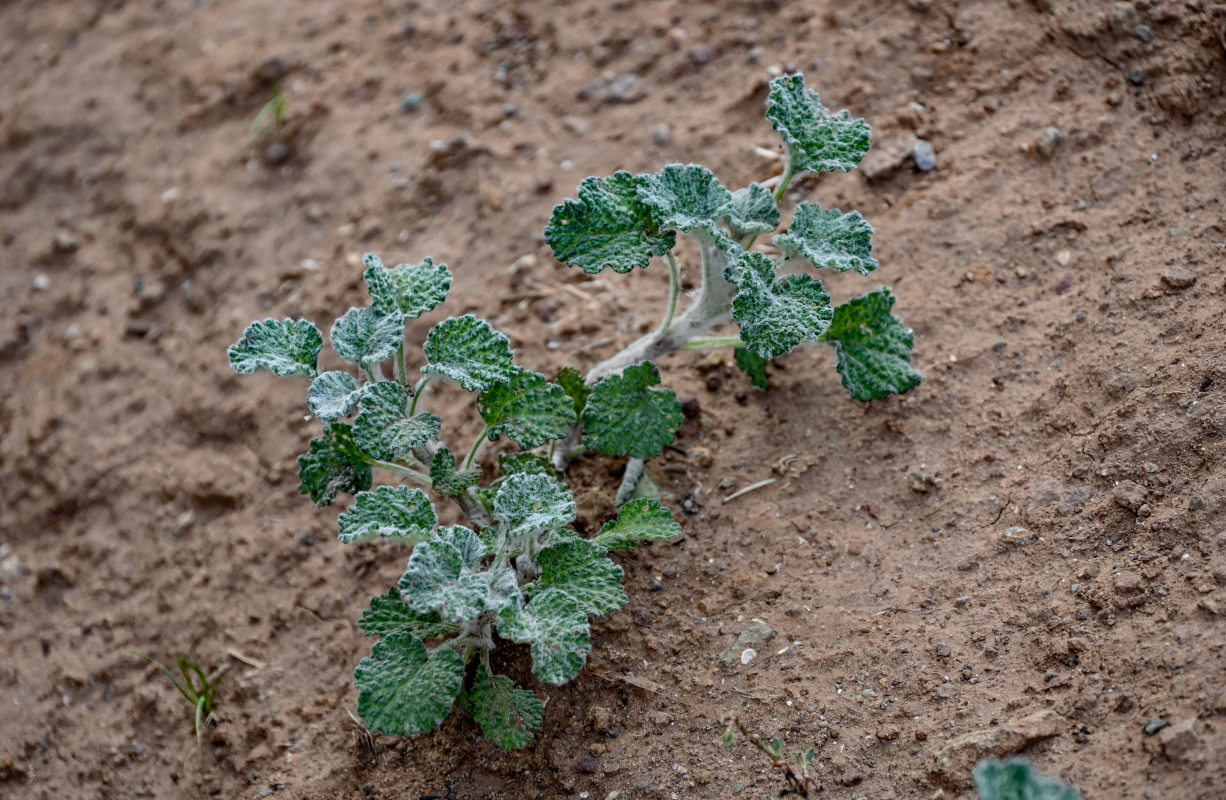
x: 684, y: 196
x: 874, y: 347
x: 382, y: 430
x: 526, y: 464
x: 829, y: 239
x: 366, y: 336
x: 527, y: 409
x: 409, y: 289
x: 638, y: 521
x: 608, y: 226
x: 507, y: 714
x: 1017, y: 779
x: 332, y: 395
x: 444, y: 477
x: 625, y: 415
x: 751, y: 211
x: 776, y: 314
x: 752, y: 365
x: 395, y: 513
x: 572, y: 382
x: 557, y: 630
x: 580, y: 568
x: 388, y: 614
x: 528, y: 504
x: 816, y: 140
x: 442, y: 577
x: 471, y: 353
x: 333, y: 464
x: 283, y: 347
x: 402, y: 690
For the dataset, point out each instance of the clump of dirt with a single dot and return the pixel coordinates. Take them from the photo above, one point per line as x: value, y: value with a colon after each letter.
x: 1025, y: 553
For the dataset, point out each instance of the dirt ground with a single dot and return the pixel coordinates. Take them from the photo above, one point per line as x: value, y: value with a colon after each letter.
x: 1030, y: 547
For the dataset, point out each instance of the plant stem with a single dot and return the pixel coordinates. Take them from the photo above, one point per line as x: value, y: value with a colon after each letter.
x: 403, y: 471
x: 418, y: 391
x: 472, y: 453
x: 402, y: 374
x: 710, y: 342
x: 784, y: 179
x: 674, y: 291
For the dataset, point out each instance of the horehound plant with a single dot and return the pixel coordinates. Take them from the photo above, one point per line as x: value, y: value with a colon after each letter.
x: 517, y: 571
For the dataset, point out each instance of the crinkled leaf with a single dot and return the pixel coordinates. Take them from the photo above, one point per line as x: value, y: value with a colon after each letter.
x: 409, y: 289
x: 332, y: 395
x: 367, y: 336
x: 465, y: 540
x: 684, y: 196
x: 382, y: 430
x: 396, y: 513
x: 508, y: 715
x: 638, y: 521
x: 625, y: 415
x: 1017, y: 779
x: 751, y: 211
x: 752, y: 365
x: 439, y: 579
x: 471, y: 353
x: 402, y: 690
x: 776, y: 314
x: 572, y: 382
x: 527, y: 464
x: 580, y: 568
x: 527, y: 409
x: 558, y: 631
x: 388, y: 614
x: 283, y: 347
x: 874, y: 347
x: 607, y: 226
x: 444, y: 477
x: 816, y: 139
x: 528, y: 504
x: 333, y: 464
x: 829, y: 239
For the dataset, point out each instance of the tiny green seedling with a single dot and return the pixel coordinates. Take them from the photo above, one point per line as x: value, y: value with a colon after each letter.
x: 797, y: 777
x: 197, y: 688
x: 270, y: 120
x: 517, y: 571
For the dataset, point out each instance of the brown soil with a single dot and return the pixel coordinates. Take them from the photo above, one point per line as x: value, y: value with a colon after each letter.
x: 1038, y: 529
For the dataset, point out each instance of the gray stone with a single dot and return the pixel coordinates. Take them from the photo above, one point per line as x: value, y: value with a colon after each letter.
x: 627, y: 88
x: 751, y: 637
x: 925, y: 156
x: 1179, y: 278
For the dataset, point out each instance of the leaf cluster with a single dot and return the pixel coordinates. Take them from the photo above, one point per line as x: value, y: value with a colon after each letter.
x: 625, y: 220
x: 520, y: 573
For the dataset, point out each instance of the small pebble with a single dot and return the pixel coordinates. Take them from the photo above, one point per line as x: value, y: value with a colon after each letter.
x: 65, y: 242
x: 1136, y: 78
x: 276, y: 153
x: 1049, y: 140
x: 925, y: 156
x: 1154, y: 725
x: 662, y: 135
x: 41, y: 282
x: 412, y: 102
x: 1179, y: 278
x: 1144, y: 33
x: 627, y: 88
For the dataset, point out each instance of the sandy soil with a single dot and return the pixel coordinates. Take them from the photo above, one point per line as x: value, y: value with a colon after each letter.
x: 1031, y: 545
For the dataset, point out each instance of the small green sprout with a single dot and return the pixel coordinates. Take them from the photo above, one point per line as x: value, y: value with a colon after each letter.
x: 797, y: 777
x: 197, y: 688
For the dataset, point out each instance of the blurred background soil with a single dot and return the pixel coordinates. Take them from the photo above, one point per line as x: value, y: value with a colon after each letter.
x: 1026, y: 552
